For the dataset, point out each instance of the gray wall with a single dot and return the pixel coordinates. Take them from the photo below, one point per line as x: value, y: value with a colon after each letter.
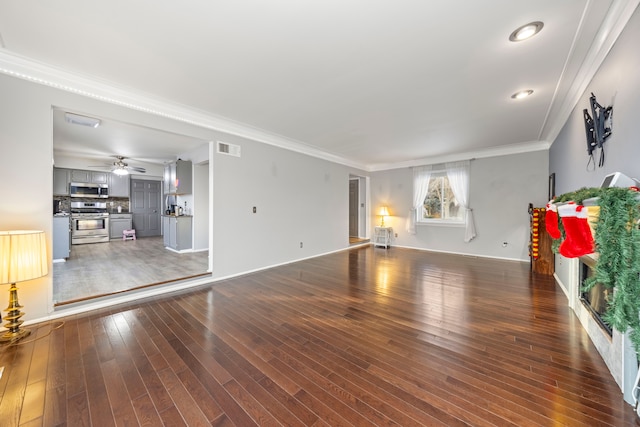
x: 299, y: 198
x: 201, y: 206
x: 616, y: 83
x: 501, y: 189
x: 304, y: 199
x: 27, y: 160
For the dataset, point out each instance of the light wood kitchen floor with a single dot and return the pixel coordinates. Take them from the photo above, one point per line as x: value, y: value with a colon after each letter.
x: 100, y: 269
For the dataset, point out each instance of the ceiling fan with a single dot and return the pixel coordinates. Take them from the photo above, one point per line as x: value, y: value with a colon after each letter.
x: 119, y: 167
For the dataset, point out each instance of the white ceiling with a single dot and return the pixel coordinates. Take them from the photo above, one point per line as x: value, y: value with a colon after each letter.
x: 374, y: 83
x: 97, y: 146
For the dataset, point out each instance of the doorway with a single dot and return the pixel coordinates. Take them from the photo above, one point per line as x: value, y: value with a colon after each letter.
x: 354, y: 202
x: 109, y: 268
x: 146, y: 205
x: 358, y: 208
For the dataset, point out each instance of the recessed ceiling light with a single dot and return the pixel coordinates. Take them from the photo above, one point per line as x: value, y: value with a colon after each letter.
x: 526, y: 31
x: 522, y: 94
x: 77, y: 119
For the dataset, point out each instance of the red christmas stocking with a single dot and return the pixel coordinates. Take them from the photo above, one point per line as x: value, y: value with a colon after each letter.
x: 579, y: 240
x: 551, y: 220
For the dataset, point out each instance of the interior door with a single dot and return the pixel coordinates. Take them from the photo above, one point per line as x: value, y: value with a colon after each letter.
x: 353, y: 207
x: 146, y: 205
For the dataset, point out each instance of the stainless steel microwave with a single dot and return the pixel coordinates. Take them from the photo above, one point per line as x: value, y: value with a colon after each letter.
x: 85, y: 189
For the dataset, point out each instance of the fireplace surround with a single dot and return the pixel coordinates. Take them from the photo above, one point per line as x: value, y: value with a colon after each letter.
x: 615, y: 348
x: 595, y: 299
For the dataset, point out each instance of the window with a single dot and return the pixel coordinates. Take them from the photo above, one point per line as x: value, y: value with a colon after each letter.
x: 440, y: 204
x: 441, y: 195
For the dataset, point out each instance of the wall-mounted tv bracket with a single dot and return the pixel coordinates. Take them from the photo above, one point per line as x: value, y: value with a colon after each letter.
x: 597, y: 128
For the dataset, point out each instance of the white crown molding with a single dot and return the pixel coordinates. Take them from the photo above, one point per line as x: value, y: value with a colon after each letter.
x: 40, y: 73
x: 612, y: 26
x: 24, y: 68
x: 36, y: 72
x: 503, y: 150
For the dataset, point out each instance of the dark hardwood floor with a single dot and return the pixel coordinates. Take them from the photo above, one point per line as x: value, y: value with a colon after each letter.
x: 362, y: 337
x: 353, y: 240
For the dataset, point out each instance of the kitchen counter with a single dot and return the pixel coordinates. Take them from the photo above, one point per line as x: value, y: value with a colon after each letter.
x: 177, y: 232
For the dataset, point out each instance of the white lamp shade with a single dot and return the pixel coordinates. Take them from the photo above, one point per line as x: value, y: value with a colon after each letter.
x: 121, y: 171
x: 23, y: 255
x: 384, y: 211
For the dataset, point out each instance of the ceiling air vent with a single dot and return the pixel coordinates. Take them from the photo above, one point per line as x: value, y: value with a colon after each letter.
x: 229, y: 149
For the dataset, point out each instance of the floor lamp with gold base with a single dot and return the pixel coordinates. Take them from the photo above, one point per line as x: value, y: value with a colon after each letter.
x: 23, y: 256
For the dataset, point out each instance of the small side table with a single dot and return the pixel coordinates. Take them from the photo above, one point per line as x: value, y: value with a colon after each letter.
x: 382, y: 236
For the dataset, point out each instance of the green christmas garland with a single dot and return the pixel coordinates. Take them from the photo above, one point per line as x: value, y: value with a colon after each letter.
x: 580, y: 195
x: 617, y: 240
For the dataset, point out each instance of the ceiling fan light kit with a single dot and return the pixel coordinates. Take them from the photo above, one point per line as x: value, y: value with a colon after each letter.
x: 120, y: 171
x: 119, y: 167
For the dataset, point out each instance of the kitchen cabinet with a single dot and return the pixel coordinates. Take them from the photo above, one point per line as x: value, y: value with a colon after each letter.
x: 177, y: 232
x: 61, y: 237
x: 99, y: 177
x: 119, y: 222
x: 178, y: 177
x: 61, y: 180
x: 94, y: 177
x: 118, y: 185
x: 166, y: 237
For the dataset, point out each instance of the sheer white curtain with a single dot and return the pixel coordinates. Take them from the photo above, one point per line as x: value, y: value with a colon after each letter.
x: 458, y: 174
x: 421, y: 176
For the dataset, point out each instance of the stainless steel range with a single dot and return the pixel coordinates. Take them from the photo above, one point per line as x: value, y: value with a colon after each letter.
x: 89, y: 222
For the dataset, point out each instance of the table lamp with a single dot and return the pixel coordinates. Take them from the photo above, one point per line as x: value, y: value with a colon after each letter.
x: 384, y: 211
x: 23, y: 256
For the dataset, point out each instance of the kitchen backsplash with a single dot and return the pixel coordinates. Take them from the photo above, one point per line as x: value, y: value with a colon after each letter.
x: 112, y: 203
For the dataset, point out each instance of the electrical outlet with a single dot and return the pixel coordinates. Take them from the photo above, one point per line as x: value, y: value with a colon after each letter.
x: 396, y: 234
x: 504, y: 244
x: 255, y: 209
x: 300, y: 244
